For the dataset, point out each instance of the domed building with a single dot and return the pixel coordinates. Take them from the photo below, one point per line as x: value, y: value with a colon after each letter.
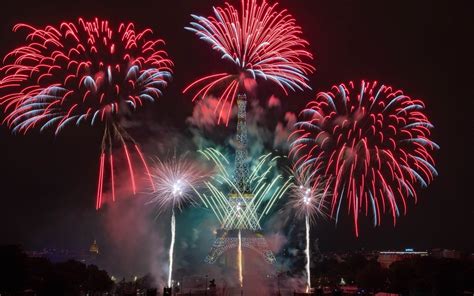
x: 94, y: 248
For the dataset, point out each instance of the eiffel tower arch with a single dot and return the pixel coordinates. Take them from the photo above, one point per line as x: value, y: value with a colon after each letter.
x: 251, y: 240
x: 241, y: 215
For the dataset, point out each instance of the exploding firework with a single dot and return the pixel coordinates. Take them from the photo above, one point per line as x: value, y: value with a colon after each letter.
x: 84, y: 72
x: 266, y: 188
x: 308, y: 204
x: 175, y: 183
x: 368, y: 145
x: 307, y: 200
x: 261, y: 42
x: 241, y: 210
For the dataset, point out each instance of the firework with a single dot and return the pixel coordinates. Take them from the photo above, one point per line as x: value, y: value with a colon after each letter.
x: 241, y: 212
x: 261, y: 42
x: 368, y: 145
x: 308, y: 203
x: 171, y: 250
x: 239, y: 259
x: 175, y: 183
x: 266, y: 188
x: 307, y: 200
x: 84, y: 72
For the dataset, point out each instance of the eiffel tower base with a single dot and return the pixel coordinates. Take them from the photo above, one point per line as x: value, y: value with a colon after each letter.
x: 228, y: 239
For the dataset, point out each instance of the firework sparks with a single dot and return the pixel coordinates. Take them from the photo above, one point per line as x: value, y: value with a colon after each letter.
x: 306, y: 199
x: 261, y: 42
x: 308, y: 202
x: 266, y: 188
x: 369, y: 145
x: 175, y: 183
x: 84, y: 72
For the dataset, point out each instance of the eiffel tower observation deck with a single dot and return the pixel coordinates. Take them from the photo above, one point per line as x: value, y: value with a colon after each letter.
x: 242, y: 216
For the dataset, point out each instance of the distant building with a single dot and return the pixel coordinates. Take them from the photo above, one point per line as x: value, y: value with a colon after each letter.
x: 350, y: 290
x: 94, y: 248
x: 386, y: 258
x: 444, y: 253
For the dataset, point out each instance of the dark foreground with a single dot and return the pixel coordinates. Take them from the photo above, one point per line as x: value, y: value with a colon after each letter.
x: 353, y: 275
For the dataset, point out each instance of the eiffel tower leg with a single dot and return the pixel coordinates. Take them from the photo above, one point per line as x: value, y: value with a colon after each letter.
x: 220, y: 246
x: 255, y: 243
x: 260, y: 245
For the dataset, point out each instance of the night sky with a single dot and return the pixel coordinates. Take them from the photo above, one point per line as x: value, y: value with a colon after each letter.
x: 48, y: 184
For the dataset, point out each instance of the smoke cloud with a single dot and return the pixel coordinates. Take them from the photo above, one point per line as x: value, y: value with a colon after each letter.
x: 137, y: 241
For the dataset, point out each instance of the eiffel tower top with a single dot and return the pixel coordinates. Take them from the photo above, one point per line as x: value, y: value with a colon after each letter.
x: 241, y: 172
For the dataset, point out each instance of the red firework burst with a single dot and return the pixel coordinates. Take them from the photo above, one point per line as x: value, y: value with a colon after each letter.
x: 260, y: 41
x: 84, y: 71
x: 369, y: 145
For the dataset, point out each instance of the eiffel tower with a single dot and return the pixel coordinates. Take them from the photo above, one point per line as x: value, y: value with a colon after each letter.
x: 241, y: 217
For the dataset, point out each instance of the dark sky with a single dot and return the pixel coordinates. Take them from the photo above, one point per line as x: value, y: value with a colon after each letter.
x: 422, y: 47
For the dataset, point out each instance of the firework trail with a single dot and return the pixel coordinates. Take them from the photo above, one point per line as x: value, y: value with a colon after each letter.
x: 171, y: 251
x: 308, y: 258
x: 261, y: 42
x: 368, y: 145
x: 266, y: 185
x: 239, y: 258
x: 307, y: 202
x: 176, y: 181
x: 84, y: 72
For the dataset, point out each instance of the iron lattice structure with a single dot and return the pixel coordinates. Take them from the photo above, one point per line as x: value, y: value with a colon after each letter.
x: 242, y: 213
x: 241, y: 152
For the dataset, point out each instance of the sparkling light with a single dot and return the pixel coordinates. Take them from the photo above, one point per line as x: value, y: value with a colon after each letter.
x: 369, y: 144
x: 176, y: 181
x: 84, y: 72
x: 262, y: 43
x: 243, y: 211
x: 239, y: 259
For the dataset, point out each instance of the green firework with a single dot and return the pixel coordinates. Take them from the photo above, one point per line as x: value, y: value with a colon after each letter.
x: 238, y: 210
